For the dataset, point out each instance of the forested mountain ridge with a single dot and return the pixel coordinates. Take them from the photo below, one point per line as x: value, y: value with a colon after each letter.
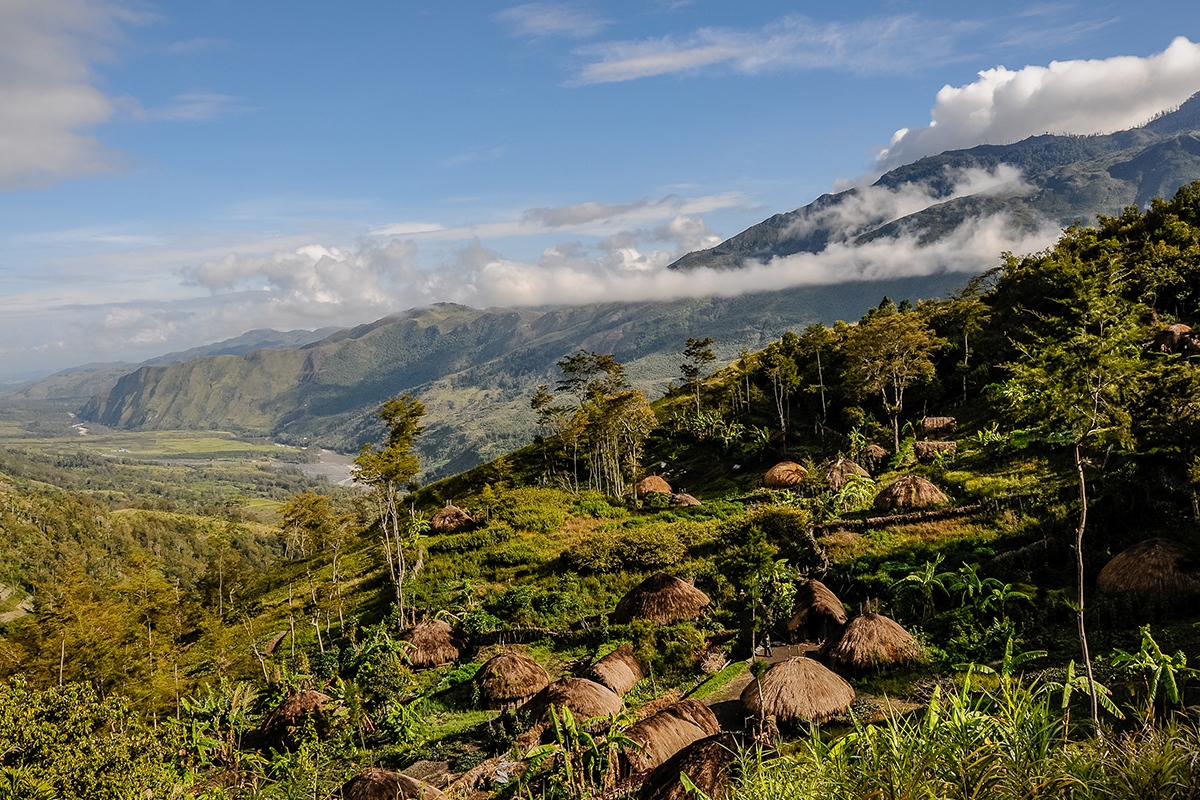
x: 1057, y: 180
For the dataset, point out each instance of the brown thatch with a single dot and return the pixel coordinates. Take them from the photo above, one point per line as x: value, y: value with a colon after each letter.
x: 661, y: 599
x: 705, y: 762
x: 684, y: 500
x: 872, y: 453
x: 651, y: 483
x: 784, y: 475
x: 928, y: 451
x: 870, y: 641
x: 938, y: 427
x: 798, y: 689
x: 383, y: 784
x: 278, y: 729
x: 910, y: 491
x: 817, y: 615
x: 1172, y: 339
x: 666, y: 733
x: 838, y: 473
x: 1151, y: 570
x: 452, y: 519
x: 509, y: 679
x: 585, y: 698
x: 435, y: 644
x: 618, y: 670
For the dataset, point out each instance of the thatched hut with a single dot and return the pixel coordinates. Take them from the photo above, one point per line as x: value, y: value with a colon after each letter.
x: 508, y: 680
x: 706, y: 763
x: 452, y: 519
x: 585, y: 698
x: 1151, y: 570
x: 618, y: 670
x: 928, y: 451
x: 666, y: 733
x: 661, y: 599
x: 784, y: 475
x: 651, y: 483
x: 1170, y: 339
x: 909, y: 492
x: 817, y: 614
x: 684, y: 500
x: 839, y: 473
x: 870, y: 641
x: 938, y: 427
x: 798, y: 689
x: 383, y: 784
x: 434, y: 644
x: 278, y: 729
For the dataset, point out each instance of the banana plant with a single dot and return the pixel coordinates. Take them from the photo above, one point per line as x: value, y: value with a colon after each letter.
x: 1072, y: 683
x: 1156, y: 670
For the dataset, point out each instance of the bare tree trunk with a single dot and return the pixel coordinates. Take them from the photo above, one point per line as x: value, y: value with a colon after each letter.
x: 1083, y: 508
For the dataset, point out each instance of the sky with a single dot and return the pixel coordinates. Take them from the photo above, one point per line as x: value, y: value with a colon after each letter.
x: 177, y: 173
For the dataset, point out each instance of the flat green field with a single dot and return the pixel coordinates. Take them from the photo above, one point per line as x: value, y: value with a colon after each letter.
x: 139, y: 445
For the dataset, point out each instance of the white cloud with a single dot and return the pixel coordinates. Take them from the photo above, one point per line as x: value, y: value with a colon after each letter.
x: 198, y: 107
x: 552, y: 19
x: 1079, y: 97
x: 47, y: 103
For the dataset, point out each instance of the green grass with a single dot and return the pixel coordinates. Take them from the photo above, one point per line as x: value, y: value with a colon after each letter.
x: 719, y: 681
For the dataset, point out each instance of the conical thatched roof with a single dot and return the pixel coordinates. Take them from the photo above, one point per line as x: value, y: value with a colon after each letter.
x: 435, y: 644
x: 684, y: 500
x: 585, y: 698
x: 509, y: 679
x: 784, y: 475
x: 651, y: 483
x: 870, y: 641
x: 452, y: 519
x: 666, y: 733
x: 661, y: 599
x: 817, y: 614
x: 705, y: 762
x: 618, y: 670
x: 278, y: 729
x: 839, y: 473
x: 798, y: 689
x: 933, y: 427
x: 909, y: 492
x: 1151, y: 570
x: 383, y: 784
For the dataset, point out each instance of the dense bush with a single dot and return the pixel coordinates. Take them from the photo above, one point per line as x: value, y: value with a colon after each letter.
x: 639, y: 548
x: 492, y: 535
x: 534, y: 510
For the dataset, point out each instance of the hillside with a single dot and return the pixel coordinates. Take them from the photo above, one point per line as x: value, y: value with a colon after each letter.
x: 1056, y: 180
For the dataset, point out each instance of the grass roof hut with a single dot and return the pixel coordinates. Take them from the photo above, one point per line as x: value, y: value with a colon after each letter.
x: 841, y: 471
x: 509, y: 679
x: 684, y: 500
x: 909, y: 492
x: 452, y: 519
x: 661, y: 599
x: 434, y: 642
x: 383, y: 784
x: 870, y: 641
x: 1150, y: 570
x: 277, y: 731
x: 706, y: 763
x: 666, y: 733
x: 618, y: 670
x: 817, y: 614
x: 784, y: 475
x: 651, y: 483
x: 798, y: 689
x: 585, y: 698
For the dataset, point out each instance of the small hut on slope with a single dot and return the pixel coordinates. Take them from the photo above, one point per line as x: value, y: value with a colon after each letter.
x: 666, y: 733
x: 452, y: 519
x: 383, y: 784
x: 278, y: 729
x: 798, y: 689
x: 508, y: 680
x: 684, y: 500
x: 706, y: 763
x: 841, y: 471
x: 870, y: 641
x: 817, y: 615
x: 1152, y: 570
x: 618, y: 670
x: 651, y: 483
x: 585, y: 698
x: 434, y: 644
x: 661, y: 599
x: 784, y: 475
x: 938, y: 427
x: 908, y: 493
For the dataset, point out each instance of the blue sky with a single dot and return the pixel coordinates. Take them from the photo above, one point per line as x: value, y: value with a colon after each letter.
x: 175, y: 173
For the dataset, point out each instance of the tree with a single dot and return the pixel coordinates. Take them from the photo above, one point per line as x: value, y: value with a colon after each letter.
x: 780, y: 364
x: 696, y: 356
x: 885, y: 354
x: 386, y: 469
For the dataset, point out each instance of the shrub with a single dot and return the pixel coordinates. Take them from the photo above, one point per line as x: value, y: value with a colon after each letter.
x: 494, y: 534
x: 593, y: 504
x: 639, y: 548
x: 656, y: 500
x: 532, y: 509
